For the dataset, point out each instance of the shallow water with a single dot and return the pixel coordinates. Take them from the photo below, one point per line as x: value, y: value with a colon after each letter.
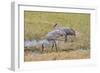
x: 30, y: 43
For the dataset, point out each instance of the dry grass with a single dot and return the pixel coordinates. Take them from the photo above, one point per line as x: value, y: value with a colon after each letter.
x: 64, y: 55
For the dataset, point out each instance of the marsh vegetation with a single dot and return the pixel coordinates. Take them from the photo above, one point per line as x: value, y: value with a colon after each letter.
x: 38, y: 24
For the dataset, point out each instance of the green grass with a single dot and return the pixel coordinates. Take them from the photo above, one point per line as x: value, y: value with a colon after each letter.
x: 38, y: 24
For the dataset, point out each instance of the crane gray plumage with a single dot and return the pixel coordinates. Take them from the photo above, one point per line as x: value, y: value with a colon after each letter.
x: 50, y: 43
x: 64, y: 31
x: 51, y: 37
